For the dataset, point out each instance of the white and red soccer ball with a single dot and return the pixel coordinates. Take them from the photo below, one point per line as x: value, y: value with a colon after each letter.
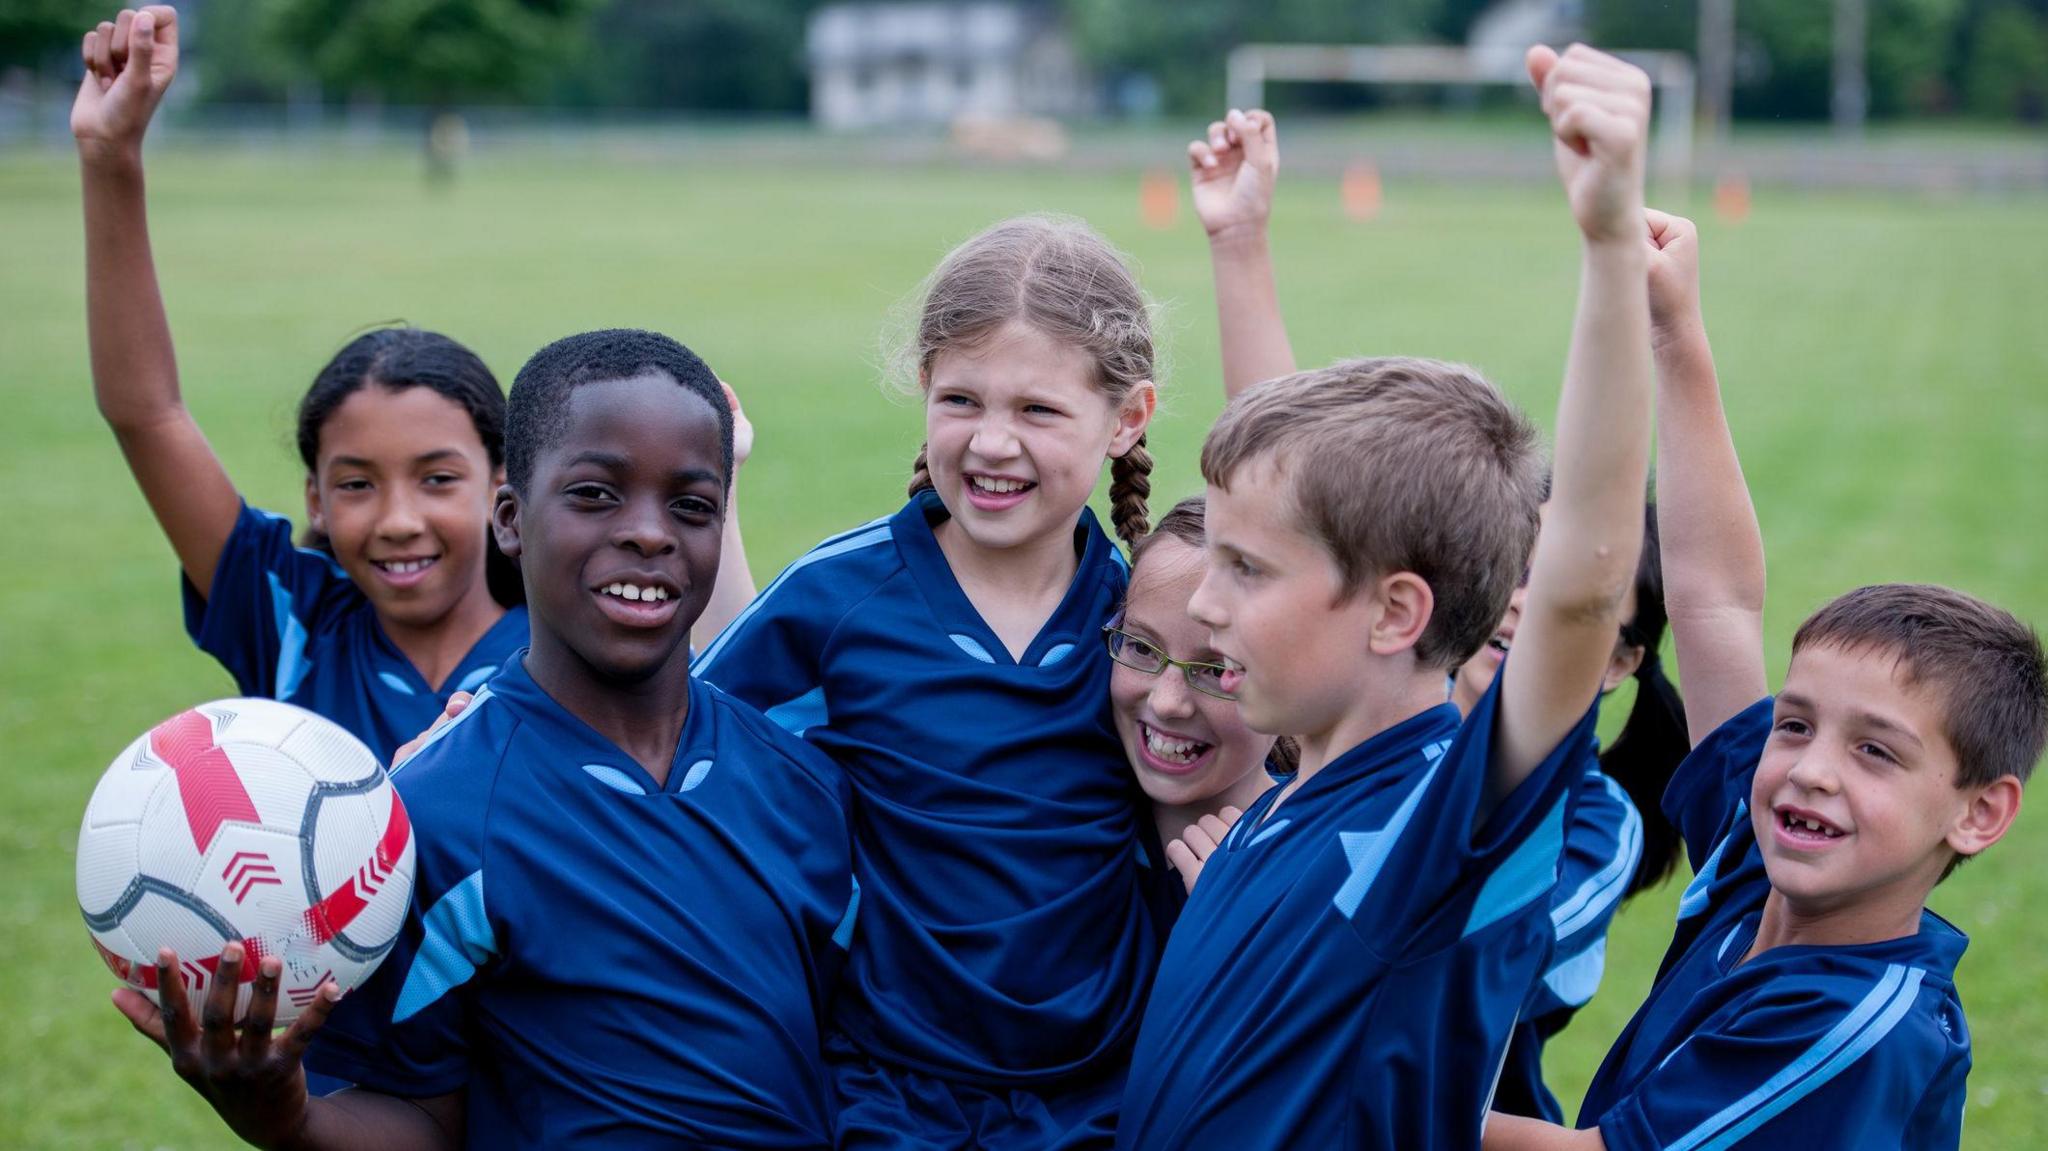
x: 248, y: 820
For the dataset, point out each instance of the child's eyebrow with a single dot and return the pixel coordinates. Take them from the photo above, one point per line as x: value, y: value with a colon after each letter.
x: 1889, y: 726
x: 611, y: 460
x: 696, y: 476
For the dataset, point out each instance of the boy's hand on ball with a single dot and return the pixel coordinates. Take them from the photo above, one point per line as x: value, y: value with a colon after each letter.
x: 129, y: 64
x: 253, y: 1077
x: 1233, y: 170
x: 1674, y: 257
x: 1192, y: 850
x: 1599, y: 109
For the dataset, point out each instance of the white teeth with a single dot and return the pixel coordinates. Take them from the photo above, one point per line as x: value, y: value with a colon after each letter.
x: 1171, y: 748
x: 636, y: 593
x: 1000, y: 487
x: 404, y: 567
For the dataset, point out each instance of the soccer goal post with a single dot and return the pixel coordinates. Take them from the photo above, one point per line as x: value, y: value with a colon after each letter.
x: 1251, y: 67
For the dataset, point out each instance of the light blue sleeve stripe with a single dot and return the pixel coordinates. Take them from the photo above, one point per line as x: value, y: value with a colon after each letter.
x: 1604, y: 888
x: 1859, y: 1031
x: 1368, y: 852
x: 801, y: 714
x: 459, y: 940
x: 1576, y: 979
x: 291, y: 641
x: 1694, y: 900
x: 1528, y: 873
x: 476, y: 704
x: 842, y: 935
x: 873, y: 534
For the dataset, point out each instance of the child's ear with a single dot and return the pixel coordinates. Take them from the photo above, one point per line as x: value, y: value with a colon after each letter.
x: 1133, y: 416
x: 1406, y: 605
x: 1987, y: 816
x: 316, y: 518
x: 1621, y: 665
x: 505, y: 521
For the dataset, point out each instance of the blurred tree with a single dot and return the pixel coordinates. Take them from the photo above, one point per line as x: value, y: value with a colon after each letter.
x: 34, y: 32
x: 1181, y: 44
x: 430, y: 52
x: 2008, y: 62
x: 744, y: 56
x: 1785, y: 53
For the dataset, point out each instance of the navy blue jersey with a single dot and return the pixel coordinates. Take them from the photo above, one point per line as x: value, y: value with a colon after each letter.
x: 600, y: 961
x: 290, y: 625
x: 1003, y: 938
x: 1801, y: 1046
x: 1603, y: 845
x: 1346, y: 972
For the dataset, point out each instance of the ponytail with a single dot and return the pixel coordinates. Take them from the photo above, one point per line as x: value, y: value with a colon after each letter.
x: 921, y: 470
x: 1642, y: 759
x: 1654, y: 741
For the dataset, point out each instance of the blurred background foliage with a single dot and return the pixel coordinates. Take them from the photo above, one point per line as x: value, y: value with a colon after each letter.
x: 1984, y: 59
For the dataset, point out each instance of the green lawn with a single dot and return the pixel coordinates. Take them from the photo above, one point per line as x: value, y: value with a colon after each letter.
x: 1886, y: 364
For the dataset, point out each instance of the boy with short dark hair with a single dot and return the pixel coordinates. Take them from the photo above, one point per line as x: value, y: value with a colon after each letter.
x: 1347, y: 970
x: 632, y: 891
x: 1808, y: 998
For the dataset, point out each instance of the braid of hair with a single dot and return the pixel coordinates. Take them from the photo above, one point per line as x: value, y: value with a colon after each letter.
x: 920, y: 470
x: 1130, y: 481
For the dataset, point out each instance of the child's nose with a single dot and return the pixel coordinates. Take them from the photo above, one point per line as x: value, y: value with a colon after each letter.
x: 644, y: 527
x: 994, y: 439
x: 400, y: 517
x: 1171, y: 696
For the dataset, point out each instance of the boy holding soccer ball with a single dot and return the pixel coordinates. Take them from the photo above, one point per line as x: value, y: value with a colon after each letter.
x: 631, y: 891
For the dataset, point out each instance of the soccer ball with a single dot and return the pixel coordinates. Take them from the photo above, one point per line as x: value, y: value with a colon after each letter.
x: 249, y: 820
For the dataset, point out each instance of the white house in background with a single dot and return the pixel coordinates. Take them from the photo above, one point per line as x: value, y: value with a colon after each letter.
x: 1502, y: 34
x: 932, y: 63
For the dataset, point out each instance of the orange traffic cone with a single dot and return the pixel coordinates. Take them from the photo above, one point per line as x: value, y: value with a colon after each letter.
x: 1159, y: 199
x: 1361, y: 191
x: 1731, y: 198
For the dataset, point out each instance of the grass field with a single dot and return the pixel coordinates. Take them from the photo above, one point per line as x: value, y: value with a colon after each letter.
x: 1885, y: 360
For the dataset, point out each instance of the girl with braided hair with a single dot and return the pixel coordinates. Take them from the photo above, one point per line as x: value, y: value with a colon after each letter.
x: 949, y: 657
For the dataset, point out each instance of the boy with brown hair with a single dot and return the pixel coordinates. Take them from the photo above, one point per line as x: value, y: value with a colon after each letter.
x: 1367, y: 525
x: 1808, y: 998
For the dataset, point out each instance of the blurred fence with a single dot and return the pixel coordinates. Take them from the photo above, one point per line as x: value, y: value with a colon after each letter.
x: 1933, y: 158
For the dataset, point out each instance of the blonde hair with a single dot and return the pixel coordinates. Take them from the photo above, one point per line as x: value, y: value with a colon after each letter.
x: 1058, y: 276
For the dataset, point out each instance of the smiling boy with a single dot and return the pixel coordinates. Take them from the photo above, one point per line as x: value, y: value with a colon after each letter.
x: 1808, y: 998
x: 631, y: 890
x: 1347, y: 971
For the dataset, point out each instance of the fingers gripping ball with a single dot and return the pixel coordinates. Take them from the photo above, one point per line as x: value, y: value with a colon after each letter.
x: 245, y: 820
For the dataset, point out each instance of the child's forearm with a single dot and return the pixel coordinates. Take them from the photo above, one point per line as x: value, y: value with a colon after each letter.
x: 1515, y: 1133
x: 1254, y: 334
x: 1713, y: 550
x: 735, y: 587
x: 1586, y: 555
x: 134, y: 368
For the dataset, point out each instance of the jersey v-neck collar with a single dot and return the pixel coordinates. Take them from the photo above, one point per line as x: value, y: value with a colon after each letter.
x: 468, y: 675
x: 912, y: 530
x: 557, y: 724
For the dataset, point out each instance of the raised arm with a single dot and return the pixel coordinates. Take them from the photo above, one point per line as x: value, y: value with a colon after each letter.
x: 735, y: 587
x: 1233, y: 174
x: 255, y: 1080
x: 129, y: 63
x: 1585, y: 562
x: 1713, y: 549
